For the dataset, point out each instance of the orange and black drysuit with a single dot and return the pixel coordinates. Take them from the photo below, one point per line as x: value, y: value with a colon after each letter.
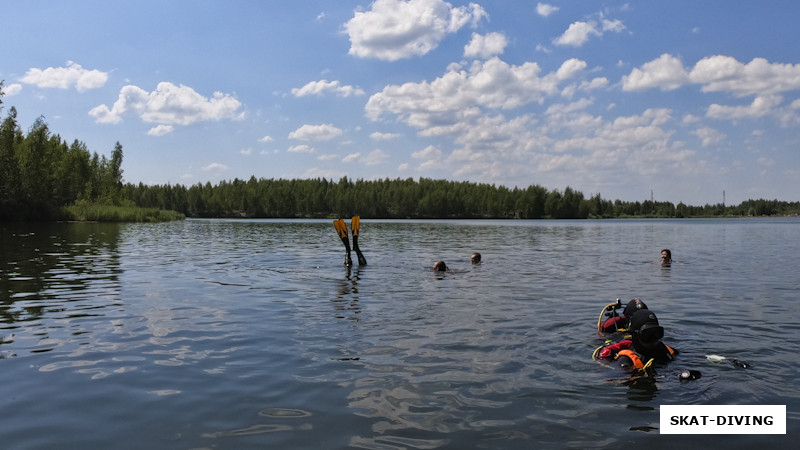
x: 633, y: 358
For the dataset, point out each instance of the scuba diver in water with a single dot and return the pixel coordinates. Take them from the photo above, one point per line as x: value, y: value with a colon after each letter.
x: 341, y: 229
x: 616, y: 322
x: 643, y: 348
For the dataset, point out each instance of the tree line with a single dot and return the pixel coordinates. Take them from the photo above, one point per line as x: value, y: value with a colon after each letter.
x: 40, y: 175
x: 414, y: 199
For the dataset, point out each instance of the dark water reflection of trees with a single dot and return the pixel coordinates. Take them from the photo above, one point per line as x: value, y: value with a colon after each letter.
x: 43, y: 266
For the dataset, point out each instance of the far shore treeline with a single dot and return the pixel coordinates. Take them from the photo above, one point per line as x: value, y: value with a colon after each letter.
x: 415, y: 199
x: 44, y: 178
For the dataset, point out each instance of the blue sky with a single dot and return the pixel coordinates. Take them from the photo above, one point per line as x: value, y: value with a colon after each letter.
x: 684, y: 99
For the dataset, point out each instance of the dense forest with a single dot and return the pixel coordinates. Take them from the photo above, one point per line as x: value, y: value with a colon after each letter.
x: 409, y: 198
x: 41, y: 175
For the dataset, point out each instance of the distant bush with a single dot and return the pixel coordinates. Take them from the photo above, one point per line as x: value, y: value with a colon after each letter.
x: 91, y: 212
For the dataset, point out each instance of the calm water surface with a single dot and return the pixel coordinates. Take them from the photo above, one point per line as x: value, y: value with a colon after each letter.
x: 252, y: 334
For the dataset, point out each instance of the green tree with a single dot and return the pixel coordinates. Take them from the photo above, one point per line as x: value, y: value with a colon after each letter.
x: 36, y: 180
x: 10, y: 140
x: 552, y: 204
x: 112, y: 176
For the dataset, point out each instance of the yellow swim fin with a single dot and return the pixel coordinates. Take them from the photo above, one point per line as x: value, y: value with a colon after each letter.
x: 355, y: 225
x: 341, y: 229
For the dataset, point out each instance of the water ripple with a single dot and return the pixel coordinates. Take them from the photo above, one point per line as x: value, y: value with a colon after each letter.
x: 190, y: 333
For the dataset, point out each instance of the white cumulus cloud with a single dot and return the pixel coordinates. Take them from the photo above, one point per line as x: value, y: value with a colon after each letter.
x: 709, y: 136
x: 612, y: 25
x: 761, y: 106
x: 570, y: 68
x: 666, y: 72
x: 459, y: 94
x: 397, y: 29
x: 378, y: 136
x: 543, y: 9
x: 485, y: 46
x: 351, y: 158
x: 717, y: 73
x: 376, y: 157
x: 216, y: 167
x: 758, y: 77
x: 169, y: 105
x: 12, y: 89
x: 322, y: 86
x: 322, y: 132
x: 302, y: 148
x: 73, y: 75
x: 429, y: 152
x: 579, y: 32
x: 161, y: 130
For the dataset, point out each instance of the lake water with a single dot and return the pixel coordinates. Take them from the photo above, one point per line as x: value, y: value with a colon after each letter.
x: 253, y: 334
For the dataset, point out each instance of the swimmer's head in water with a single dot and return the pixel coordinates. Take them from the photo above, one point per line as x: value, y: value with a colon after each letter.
x: 439, y: 266
x: 475, y: 258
